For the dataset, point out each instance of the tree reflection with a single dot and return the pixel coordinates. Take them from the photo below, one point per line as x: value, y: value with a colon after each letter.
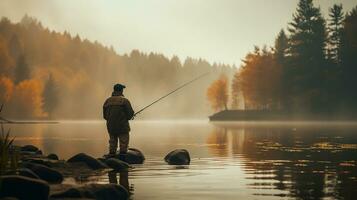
x: 308, y: 162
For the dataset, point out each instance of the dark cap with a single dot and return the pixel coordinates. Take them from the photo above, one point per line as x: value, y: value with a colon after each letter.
x: 118, y: 87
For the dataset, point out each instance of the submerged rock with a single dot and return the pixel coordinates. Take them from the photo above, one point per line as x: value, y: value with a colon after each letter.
x: 117, y: 164
x: 89, y: 160
x: 178, y: 157
x: 52, y: 156
x: 30, y: 148
x: 24, y: 172
x: 45, y: 173
x: 24, y: 188
x: 95, y: 191
x: 134, y: 156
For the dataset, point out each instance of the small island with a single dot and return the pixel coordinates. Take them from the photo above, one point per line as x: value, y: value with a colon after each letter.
x: 277, y: 115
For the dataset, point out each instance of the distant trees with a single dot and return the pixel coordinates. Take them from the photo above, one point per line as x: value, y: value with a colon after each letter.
x: 217, y: 93
x: 40, y: 66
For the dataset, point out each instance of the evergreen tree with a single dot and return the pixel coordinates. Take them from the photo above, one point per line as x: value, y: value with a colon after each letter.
x: 307, y: 58
x: 235, y: 91
x: 50, y: 95
x: 349, y: 61
x: 22, y: 70
x: 281, y: 46
x: 335, y: 26
x: 280, y: 53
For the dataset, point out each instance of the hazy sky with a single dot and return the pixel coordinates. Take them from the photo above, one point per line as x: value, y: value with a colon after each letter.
x: 217, y: 30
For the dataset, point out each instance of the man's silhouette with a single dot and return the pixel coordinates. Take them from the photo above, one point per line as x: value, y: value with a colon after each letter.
x: 117, y: 111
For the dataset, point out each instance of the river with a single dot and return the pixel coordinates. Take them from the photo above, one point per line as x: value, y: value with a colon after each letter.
x: 238, y: 160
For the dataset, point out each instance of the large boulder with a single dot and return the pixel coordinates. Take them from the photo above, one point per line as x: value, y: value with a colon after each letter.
x: 24, y: 188
x: 45, y: 173
x: 41, y: 161
x: 88, y: 160
x: 52, y: 156
x: 178, y: 157
x: 117, y: 164
x: 24, y: 172
x: 134, y: 156
x: 95, y: 191
x: 30, y: 150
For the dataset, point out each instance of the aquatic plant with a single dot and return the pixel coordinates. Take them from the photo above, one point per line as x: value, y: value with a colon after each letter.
x: 8, y: 155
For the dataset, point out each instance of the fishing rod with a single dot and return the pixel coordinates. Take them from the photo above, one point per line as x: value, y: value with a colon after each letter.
x: 195, y: 79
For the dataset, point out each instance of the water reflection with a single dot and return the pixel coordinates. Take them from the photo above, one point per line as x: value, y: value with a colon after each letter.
x: 123, y: 177
x: 229, y: 160
x: 309, y: 162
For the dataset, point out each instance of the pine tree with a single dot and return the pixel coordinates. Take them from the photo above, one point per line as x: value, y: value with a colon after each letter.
x: 335, y: 26
x: 281, y: 46
x: 307, y: 45
x: 235, y: 91
x: 22, y: 70
x: 280, y: 54
x: 50, y: 95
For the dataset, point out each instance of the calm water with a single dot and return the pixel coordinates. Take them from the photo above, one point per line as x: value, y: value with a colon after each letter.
x: 229, y: 160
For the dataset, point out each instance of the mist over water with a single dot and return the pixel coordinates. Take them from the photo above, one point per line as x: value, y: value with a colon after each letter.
x: 247, y: 160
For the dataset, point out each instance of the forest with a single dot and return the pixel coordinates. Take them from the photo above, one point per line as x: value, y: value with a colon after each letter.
x: 46, y: 74
x: 312, y: 67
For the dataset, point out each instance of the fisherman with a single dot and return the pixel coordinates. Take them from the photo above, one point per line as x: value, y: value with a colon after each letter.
x: 117, y: 111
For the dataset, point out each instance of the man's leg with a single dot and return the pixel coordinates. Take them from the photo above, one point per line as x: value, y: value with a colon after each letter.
x: 113, y: 144
x: 124, y: 142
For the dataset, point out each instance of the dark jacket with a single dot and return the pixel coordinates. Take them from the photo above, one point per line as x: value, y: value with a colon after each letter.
x: 117, y: 111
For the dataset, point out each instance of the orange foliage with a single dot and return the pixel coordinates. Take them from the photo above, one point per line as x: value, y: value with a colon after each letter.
x: 259, y: 79
x: 27, y: 98
x: 217, y: 93
x: 6, y: 89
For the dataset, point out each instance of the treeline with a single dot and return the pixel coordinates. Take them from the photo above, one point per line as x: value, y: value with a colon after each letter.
x: 47, y: 74
x: 311, y: 68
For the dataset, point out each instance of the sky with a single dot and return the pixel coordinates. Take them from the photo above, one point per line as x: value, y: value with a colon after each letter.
x: 221, y: 31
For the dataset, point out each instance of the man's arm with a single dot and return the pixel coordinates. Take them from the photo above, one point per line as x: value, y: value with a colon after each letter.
x: 129, y: 110
x: 105, y: 109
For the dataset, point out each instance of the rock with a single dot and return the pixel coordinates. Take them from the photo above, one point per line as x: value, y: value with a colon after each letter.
x: 24, y: 188
x: 117, y: 164
x: 9, y: 198
x: 134, y: 156
x: 95, y: 191
x: 178, y: 157
x: 45, y: 173
x: 52, y: 156
x: 24, y: 172
x: 38, y: 161
x: 90, y: 161
x: 30, y: 148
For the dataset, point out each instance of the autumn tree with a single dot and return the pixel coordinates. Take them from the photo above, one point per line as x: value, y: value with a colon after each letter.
x: 217, y: 93
x: 259, y: 79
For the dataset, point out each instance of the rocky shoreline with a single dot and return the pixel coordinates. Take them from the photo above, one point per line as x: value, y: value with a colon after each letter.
x: 40, y: 177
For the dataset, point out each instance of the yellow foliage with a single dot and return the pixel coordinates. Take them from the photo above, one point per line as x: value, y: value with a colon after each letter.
x: 217, y: 93
x: 6, y: 89
x: 27, y: 98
